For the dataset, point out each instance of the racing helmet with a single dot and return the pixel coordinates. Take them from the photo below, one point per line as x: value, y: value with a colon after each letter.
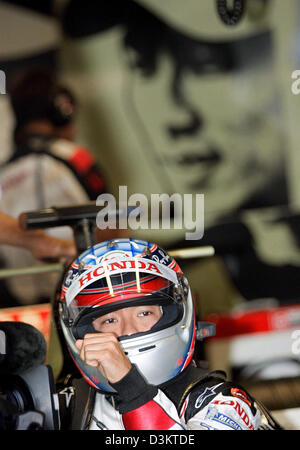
x: 122, y: 273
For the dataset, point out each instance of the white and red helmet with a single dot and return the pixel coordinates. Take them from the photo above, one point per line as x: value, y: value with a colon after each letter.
x: 122, y: 273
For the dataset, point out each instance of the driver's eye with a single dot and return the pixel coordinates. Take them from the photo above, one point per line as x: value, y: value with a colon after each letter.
x: 145, y: 313
x: 110, y: 320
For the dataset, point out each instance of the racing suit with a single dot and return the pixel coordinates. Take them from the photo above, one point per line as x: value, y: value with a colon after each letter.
x: 193, y: 400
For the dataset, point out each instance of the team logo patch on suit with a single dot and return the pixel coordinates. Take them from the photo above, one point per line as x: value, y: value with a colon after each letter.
x: 239, y: 393
x: 216, y: 416
x: 206, y: 394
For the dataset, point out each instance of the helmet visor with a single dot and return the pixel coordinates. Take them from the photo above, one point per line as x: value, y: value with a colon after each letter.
x: 119, y: 284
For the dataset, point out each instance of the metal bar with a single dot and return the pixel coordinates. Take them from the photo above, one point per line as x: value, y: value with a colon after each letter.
x: 194, y: 252
x: 33, y: 270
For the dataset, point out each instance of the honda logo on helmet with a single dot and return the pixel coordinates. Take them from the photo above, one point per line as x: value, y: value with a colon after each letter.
x: 119, y: 265
x: 114, y: 267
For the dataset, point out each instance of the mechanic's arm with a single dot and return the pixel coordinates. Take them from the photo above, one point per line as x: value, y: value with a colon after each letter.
x: 40, y: 244
x: 143, y: 406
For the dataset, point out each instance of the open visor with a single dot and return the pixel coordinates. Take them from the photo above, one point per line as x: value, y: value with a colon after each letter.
x: 121, y: 283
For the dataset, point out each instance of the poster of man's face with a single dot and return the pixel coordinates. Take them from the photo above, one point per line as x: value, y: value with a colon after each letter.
x: 205, y: 108
x: 214, y: 126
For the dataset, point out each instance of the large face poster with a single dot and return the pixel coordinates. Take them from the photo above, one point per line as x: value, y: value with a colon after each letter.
x: 200, y: 112
x: 214, y: 127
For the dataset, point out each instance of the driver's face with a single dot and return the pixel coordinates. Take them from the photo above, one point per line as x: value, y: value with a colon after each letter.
x: 128, y: 321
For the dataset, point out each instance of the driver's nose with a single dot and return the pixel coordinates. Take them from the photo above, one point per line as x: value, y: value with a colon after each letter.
x: 128, y: 327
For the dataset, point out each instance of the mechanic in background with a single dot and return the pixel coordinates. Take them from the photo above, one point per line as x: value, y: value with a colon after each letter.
x: 47, y: 168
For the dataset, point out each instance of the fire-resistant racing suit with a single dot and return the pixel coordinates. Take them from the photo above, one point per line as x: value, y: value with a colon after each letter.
x: 194, y: 400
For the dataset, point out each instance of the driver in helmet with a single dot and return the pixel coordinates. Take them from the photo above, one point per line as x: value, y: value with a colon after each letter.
x: 127, y: 317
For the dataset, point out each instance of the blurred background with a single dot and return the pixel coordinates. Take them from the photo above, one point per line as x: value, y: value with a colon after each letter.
x: 172, y: 99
